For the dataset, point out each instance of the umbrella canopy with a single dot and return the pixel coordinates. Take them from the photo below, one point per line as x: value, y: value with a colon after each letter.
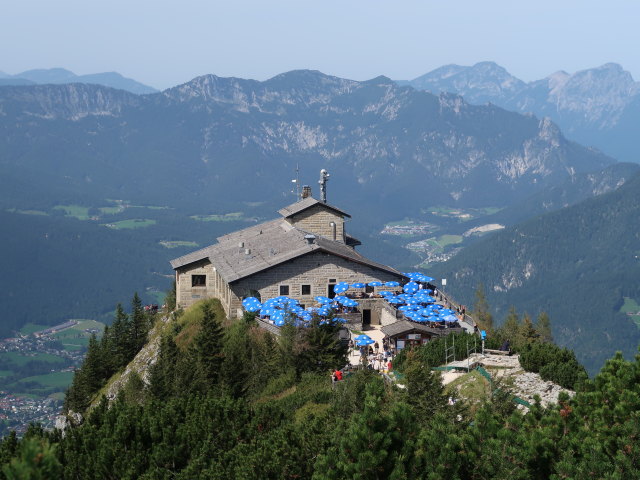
x: 340, y: 289
x: 375, y: 284
x: 411, y: 287
x: 253, y: 307
x: 249, y: 300
x: 391, y: 284
x: 362, y: 340
x: 322, y: 300
x: 358, y: 285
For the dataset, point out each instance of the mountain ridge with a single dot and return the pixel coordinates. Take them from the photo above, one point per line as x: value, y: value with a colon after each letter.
x: 590, y: 105
x: 42, y: 76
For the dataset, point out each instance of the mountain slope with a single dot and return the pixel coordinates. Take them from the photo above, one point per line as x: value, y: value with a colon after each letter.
x: 63, y: 76
x: 597, y: 106
x: 578, y: 264
x: 213, y: 139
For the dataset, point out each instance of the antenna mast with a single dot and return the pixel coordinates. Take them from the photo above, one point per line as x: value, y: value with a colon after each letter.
x: 297, y: 182
x: 324, y: 178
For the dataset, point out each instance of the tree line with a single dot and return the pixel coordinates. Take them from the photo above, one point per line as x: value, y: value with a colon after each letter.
x: 228, y: 400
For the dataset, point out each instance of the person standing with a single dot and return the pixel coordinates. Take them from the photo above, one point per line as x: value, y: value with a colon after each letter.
x: 376, y: 347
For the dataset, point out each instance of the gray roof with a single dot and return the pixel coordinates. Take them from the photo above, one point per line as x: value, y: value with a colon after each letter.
x: 404, y: 326
x: 268, y: 244
x: 308, y: 203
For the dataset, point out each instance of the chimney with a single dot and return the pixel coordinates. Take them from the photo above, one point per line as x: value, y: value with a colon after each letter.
x: 306, y: 191
x: 247, y: 251
x: 310, y: 238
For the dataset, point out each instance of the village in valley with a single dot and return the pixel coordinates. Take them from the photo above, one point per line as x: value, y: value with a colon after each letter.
x: 36, y: 367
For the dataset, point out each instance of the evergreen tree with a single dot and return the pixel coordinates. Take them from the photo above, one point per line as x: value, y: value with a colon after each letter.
x: 543, y: 327
x: 425, y: 392
x: 36, y: 461
x: 139, y: 327
x: 481, y: 310
x: 208, y: 348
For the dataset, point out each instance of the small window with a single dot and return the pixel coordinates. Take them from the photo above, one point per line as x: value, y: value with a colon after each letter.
x: 332, y: 280
x: 284, y: 289
x: 198, y: 280
x: 306, y: 290
x: 368, y: 289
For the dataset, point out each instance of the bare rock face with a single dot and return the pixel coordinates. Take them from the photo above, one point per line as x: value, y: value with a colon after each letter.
x: 70, y: 420
x: 141, y: 364
x: 526, y: 385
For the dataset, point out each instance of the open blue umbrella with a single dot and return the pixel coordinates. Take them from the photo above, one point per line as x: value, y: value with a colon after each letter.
x: 375, y: 284
x: 340, y: 288
x: 322, y: 300
x: 362, y: 340
x: 253, y: 307
x: 391, y: 284
x: 411, y: 287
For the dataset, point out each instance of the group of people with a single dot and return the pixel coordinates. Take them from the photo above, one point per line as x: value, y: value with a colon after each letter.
x: 372, y: 356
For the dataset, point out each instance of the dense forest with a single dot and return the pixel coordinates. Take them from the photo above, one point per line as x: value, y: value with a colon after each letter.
x: 580, y: 264
x: 228, y: 400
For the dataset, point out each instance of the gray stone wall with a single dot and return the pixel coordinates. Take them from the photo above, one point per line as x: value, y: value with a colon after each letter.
x: 315, y: 269
x: 318, y: 220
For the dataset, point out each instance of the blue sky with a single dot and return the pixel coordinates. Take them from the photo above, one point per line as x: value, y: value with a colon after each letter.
x: 163, y: 43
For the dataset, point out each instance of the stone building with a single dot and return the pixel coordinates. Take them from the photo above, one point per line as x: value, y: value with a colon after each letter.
x: 301, y: 255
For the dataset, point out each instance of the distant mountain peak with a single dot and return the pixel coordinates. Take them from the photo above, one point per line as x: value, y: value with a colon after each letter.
x: 63, y: 76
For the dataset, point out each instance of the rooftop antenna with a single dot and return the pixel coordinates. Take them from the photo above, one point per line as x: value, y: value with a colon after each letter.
x: 324, y: 178
x: 297, y: 182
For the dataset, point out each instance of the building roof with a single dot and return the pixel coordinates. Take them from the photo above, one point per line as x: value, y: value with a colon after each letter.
x: 306, y: 203
x: 404, y: 326
x: 260, y: 247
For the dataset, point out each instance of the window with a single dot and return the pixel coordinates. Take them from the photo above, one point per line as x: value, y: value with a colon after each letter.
x: 306, y: 290
x: 198, y: 280
x: 368, y: 289
x: 332, y: 280
x: 284, y: 289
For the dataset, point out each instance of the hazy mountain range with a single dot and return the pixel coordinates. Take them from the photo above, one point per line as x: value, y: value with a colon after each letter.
x: 598, y: 106
x: 221, y: 145
x: 216, y: 141
x: 63, y: 76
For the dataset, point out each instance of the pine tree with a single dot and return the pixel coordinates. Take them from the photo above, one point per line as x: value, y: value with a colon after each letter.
x: 543, y: 327
x: 138, y: 325
x: 481, y: 310
x: 208, y: 348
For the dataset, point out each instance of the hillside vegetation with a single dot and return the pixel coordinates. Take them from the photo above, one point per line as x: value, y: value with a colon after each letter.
x: 578, y: 264
x: 227, y: 400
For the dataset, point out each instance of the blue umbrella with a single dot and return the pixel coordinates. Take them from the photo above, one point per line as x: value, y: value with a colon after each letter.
x: 450, y: 318
x: 411, y: 287
x: 375, y: 284
x: 254, y: 307
x: 395, y: 300
x: 362, y: 340
x: 391, y: 284
x: 321, y: 299
x: 249, y: 300
x: 358, y: 285
x: 341, y: 288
